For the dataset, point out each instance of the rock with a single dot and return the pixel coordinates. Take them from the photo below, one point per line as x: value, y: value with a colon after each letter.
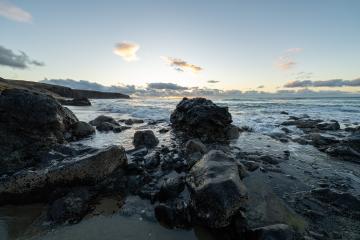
x: 30, y: 122
x: 319, y: 140
x: 232, y: 132
x: 83, y: 101
x: 333, y: 126
x: 173, y: 215
x: 164, y: 130
x: 133, y: 121
x: 66, y: 166
x: 303, y: 123
x: 70, y: 208
x: 284, y: 113
x: 145, y: 138
x: 193, y: 146
x: 82, y: 129
x: 102, y: 119
x: 201, y: 118
x: 353, y: 141
x: 106, y: 126
x: 171, y: 188
x: 217, y: 193
x: 250, y: 165
x: 272, y: 232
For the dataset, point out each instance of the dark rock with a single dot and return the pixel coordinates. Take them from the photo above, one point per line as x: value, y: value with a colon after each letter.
x: 171, y: 188
x: 319, y: 140
x: 173, y: 215
x: 333, y: 126
x: 232, y: 132
x: 69, y: 167
x: 272, y: 232
x: 102, y: 119
x: 152, y: 160
x: 217, y: 193
x: 145, y: 138
x: 82, y: 129
x: 70, y: 208
x: 164, y: 130
x: 106, y: 126
x: 133, y: 121
x: 30, y: 122
x: 194, y: 146
x: 250, y: 165
x: 75, y: 102
x: 201, y: 118
x: 284, y: 113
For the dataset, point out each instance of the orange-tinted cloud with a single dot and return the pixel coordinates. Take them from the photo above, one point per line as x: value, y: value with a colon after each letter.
x: 127, y: 51
x: 181, y: 65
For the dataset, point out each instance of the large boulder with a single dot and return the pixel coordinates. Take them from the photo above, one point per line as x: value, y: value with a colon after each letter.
x: 103, y: 119
x: 201, y: 118
x: 145, y: 138
x: 30, y: 122
x: 62, y: 167
x: 216, y: 190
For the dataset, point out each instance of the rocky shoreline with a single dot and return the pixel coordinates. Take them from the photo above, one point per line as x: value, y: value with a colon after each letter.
x: 208, y: 174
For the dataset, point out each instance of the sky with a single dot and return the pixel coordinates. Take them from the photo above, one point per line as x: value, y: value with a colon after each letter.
x: 268, y: 45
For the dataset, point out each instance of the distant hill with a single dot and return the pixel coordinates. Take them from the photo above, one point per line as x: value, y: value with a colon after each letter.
x: 59, y: 91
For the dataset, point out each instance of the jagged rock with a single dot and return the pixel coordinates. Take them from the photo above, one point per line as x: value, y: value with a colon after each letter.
x: 66, y: 166
x: 232, y: 132
x: 201, y: 118
x: 30, y: 122
x: 217, y: 193
x: 83, y: 101
x: 82, y: 129
x: 103, y: 119
x: 145, y: 138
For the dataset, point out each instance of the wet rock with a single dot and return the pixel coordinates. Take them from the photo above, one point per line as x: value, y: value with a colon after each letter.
x: 82, y: 129
x: 272, y: 232
x: 171, y: 188
x: 133, y: 121
x: 164, y: 130
x: 194, y: 146
x: 201, y: 118
x: 152, y: 160
x: 250, y: 165
x: 70, y: 208
x: 30, y: 122
x: 284, y: 113
x: 303, y: 123
x: 217, y: 193
x: 173, y: 215
x: 75, y: 102
x: 333, y: 126
x: 232, y: 132
x: 68, y: 167
x: 103, y: 119
x: 319, y: 140
x: 145, y: 138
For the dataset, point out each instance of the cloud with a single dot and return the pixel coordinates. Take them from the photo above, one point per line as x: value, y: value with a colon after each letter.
x: 181, y: 65
x: 261, y: 86
x: 21, y: 60
x: 171, y: 86
x: 213, y: 81
x: 324, y: 83
x: 12, y: 12
x: 286, y: 61
x: 303, y: 75
x: 127, y: 51
x: 87, y: 85
x: 170, y: 90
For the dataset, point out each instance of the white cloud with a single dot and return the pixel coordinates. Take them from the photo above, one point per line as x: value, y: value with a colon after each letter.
x: 127, y: 51
x: 286, y: 61
x: 13, y: 12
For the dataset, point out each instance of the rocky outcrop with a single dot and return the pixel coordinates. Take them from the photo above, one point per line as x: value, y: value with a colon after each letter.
x: 29, y: 123
x: 59, y: 91
x: 106, y: 123
x: 75, y: 102
x: 201, y: 118
x: 145, y: 138
x: 64, y: 166
x: 217, y: 192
